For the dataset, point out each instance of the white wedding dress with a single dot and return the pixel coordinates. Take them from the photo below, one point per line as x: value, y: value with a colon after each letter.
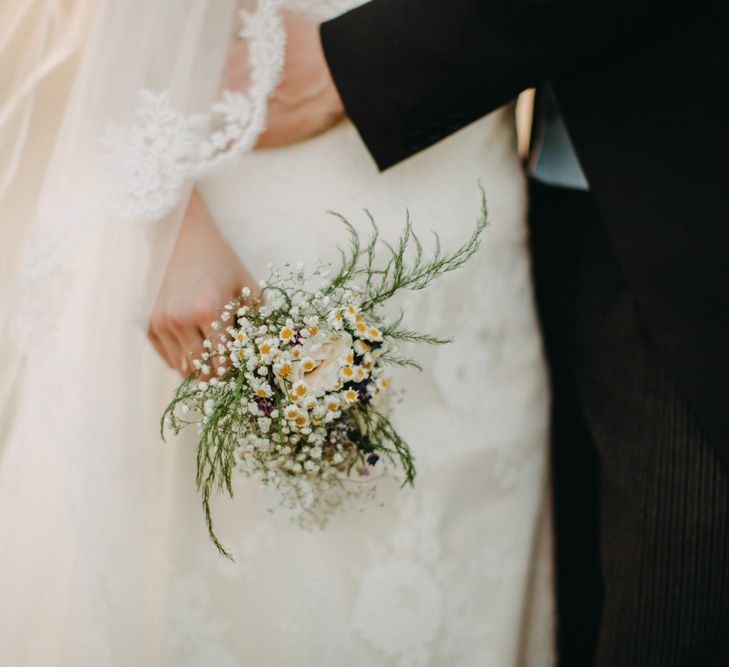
x: 456, y: 571
x: 446, y: 573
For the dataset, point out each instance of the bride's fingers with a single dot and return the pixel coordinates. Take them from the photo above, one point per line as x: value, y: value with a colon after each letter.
x: 183, y: 339
x: 162, y: 348
x: 190, y: 342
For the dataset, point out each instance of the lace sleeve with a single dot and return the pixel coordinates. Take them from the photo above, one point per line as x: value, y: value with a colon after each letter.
x: 149, y: 161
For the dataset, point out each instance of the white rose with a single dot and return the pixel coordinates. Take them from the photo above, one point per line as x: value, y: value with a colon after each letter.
x: 326, y: 355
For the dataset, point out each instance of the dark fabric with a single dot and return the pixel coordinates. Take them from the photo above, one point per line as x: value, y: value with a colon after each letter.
x: 644, y: 93
x: 641, y: 498
x: 556, y: 220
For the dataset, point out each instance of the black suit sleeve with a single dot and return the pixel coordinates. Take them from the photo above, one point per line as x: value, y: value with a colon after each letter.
x: 411, y: 72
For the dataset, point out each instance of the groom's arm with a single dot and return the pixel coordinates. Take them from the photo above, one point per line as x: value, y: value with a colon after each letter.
x: 411, y: 72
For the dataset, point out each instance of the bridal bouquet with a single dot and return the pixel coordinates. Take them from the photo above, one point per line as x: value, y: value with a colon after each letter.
x: 294, y: 389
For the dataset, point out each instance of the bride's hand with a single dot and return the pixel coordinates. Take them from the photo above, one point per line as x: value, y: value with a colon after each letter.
x: 306, y: 101
x: 203, y: 275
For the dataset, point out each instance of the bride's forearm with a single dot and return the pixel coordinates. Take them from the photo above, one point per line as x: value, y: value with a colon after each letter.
x: 203, y: 274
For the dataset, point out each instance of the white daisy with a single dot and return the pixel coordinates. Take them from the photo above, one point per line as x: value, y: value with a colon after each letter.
x: 349, y: 396
x: 334, y: 318
x: 299, y: 389
x: 292, y: 411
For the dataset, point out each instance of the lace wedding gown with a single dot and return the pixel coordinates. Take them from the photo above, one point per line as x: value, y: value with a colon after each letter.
x: 453, y: 572
x: 446, y: 573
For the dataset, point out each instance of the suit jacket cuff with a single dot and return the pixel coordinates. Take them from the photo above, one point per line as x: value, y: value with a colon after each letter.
x: 356, y: 71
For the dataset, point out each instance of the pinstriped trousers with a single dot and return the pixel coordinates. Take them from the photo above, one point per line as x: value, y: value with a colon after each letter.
x: 641, y: 499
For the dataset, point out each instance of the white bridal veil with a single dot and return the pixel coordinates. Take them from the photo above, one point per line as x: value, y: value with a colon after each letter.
x: 145, y: 117
x: 39, y: 43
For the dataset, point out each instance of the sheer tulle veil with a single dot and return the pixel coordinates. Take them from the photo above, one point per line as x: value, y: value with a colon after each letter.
x: 145, y: 117
x: 39, y: 47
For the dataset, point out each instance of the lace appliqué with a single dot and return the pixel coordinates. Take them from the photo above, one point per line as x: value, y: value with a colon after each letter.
x: 400, y: 607
x: 149, y: 163
x: 199, y: 636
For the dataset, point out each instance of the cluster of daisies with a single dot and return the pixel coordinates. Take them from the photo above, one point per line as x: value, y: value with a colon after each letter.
x: 295, y: 381
x: 292, y: 387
